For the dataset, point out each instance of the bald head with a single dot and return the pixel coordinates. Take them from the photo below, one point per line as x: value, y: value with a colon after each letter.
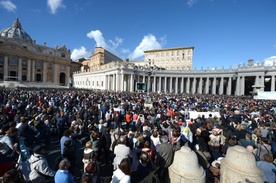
x: 250, y: 148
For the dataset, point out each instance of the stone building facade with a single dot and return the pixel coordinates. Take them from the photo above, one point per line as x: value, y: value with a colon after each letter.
x: 21, y: 59
x: 246, y: 79
x: 170, y: 58
x: 100, y: 57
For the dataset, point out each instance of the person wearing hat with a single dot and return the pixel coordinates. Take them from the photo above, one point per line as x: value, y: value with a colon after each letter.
x: 39, y: 165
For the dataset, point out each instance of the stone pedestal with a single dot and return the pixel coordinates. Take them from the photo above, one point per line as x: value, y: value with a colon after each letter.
x: 239, y: 165
x: 185, y: 167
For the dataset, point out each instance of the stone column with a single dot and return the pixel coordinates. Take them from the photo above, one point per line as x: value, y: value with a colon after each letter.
x: 33, y: 70
x: 185, y: 167
x: 113, y: 82
x: 144, y: 79
x: 108, y: 82
x: 214, y: 86
x: 176, y: 85
x: 207, y: 86
x: 19, y: 69
x: 262, y: 82
x: 29, y: 71
x: 221, y: 86
x: 239, y: 165
x: 237, y: 92
x: 154, y: 83
x: 44, y: 72
x: 242, y: 83
x: 56, y: 75
x: 171, y: 82
x: 117, y: 85
x: 122, y: 82
x: 194, y: 86
x: 131, y: 83
x: 188, y: 85
x: 200, y: 86
x: 229, y: 86
x: 166, y: 87
x: 182, y: 85
x: 272, y: 83
x: 6, y: 66
x: 67, y: 75
x: 160, y: 84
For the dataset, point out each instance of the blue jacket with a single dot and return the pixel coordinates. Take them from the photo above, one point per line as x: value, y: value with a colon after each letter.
x: 64, y: 176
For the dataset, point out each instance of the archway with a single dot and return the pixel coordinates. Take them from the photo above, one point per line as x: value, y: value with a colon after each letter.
x: 62, y: 78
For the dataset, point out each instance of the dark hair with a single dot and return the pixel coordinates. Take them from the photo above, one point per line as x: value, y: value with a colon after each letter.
x: 67, y: 143
x: 11, y: 176
x: 125, y: 166
x: 63, y: 165
x: 87, y: 178
x: 144, y: 157
x: 67, y: 133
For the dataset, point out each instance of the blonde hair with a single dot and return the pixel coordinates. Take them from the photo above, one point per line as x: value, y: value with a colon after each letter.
x: 88, y: 144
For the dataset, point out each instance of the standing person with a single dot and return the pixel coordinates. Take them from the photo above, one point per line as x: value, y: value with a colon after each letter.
x: 128, y: 119
x: 121, y: 151
x: 266, y: 166
x: 118, y: 119
x: 122, y: 173
x: 70, y: 155
x: 62, y: 124
x: 66, y: 136
x: 87, y: 154
x: 63, y: 175
x: 96, y: 145
x: 39, y: 166
x: 164, y: 156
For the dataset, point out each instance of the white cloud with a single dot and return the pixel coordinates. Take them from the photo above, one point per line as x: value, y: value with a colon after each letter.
x: 82, y: 52
x: 54, y: 5
x: 98, y: 37
x: 125, y: 51
x: 114, y: 44
x: 110, y: 45
x: 269, y: 61
x: 190, y: 3
x: 8, y: 5
x: 149, y: 42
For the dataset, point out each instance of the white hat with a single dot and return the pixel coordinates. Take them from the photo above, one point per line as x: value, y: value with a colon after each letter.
x: 218, y: 161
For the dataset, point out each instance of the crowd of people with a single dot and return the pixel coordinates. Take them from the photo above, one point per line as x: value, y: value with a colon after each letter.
x: 118, y: 129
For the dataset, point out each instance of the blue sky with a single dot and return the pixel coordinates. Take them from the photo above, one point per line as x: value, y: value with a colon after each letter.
x: 223, y: 32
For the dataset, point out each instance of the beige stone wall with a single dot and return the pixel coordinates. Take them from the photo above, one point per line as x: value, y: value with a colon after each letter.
x: 171, y: 59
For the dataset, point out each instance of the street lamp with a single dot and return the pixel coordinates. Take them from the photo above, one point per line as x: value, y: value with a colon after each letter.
x: 149, y: 71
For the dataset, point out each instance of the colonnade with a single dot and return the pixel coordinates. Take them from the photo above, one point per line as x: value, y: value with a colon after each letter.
x: 227, y: 83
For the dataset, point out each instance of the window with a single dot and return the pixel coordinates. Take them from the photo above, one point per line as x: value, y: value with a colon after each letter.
x: 13, y: 61
x: 177, y: 53
x: 63, y: 55
x: 2, y: 59
x: 62, y: 67
x: 38, y: 64
x: 24, y: 62
x: 172, y: 53
x: 50, y: 53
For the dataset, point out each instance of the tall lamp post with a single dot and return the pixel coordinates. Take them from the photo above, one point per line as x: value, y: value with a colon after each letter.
x: 149, y: 71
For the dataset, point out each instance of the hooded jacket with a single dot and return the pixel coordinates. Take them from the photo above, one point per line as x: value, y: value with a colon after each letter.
x: 39, y: 168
